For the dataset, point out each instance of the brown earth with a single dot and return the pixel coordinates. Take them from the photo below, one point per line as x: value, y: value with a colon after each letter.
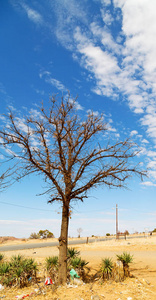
x: 141, y: 286
x: 8, y: 239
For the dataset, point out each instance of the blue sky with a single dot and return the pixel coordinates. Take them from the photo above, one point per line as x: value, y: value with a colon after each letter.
x: 105, y: 52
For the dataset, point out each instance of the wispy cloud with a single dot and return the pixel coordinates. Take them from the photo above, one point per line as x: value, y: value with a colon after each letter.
x: 32, y: 14
x: 49, y: 79
x: 56, y: 83
x: 133, y: 132
x: 120, y: 63
x: 24, y: 228
x: 144, y: 141
x: 148, y: 183
x: 12, y: 222
x: 77, y: 105
x: 66, y: 18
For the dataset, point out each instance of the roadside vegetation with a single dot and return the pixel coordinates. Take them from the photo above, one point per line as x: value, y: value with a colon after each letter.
x: 19, y: 271
x: 42, y: 234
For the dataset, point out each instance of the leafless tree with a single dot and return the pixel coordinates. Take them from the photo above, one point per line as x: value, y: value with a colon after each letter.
x: 79, y: 230
x: 65, y: 149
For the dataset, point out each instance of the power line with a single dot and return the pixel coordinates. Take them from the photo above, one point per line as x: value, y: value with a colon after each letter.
x: 80, y: 212
x: 27, y: 207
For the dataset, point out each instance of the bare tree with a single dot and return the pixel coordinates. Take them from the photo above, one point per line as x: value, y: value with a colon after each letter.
x: 58, y: 144
x: 79, y: 230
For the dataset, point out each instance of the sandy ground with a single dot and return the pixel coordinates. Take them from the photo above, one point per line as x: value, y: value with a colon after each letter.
x: 141, y: 286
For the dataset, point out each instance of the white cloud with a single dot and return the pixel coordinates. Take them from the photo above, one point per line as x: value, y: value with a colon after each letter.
x: 129, y: 69
x: 2, y: 89
x: 2, y: 118
x: 66, y: 19
x: 106, y: 2
x: 149, y: 121
x: 152, y: 164
x: 36, y: 113
x: 152, y: 173
x: 134, y: 132
x: 56, y: 83
x: 148, y: 183
x: 42, y: 73
x: 41, y: 92
x: 12, y: 222
x: 21, y: 124
x: 77, y: 105
x: 110, y: 128
x: 32, y: 14
x: 105, y: 37
x: 121, y: 64
x: 95, y: 113
x: 103, y: 65
x: 107, y: 17
x: 151, y: 153
x: 144, y: 141
x: 24, y: 228
x: 119, y: 3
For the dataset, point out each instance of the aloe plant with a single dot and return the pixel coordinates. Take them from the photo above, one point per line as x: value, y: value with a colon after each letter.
x: 1, y: 257
x: 106, y: 267
x: 72, y: 253
x: 18, y: 271
x: 80, y: 265
x: 126, y: 259
x: 4, y: 268
x: 52, y: 266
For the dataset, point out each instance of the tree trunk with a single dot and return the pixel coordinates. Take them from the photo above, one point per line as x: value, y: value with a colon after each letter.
x: 63, y: 243
x: 126, y: 270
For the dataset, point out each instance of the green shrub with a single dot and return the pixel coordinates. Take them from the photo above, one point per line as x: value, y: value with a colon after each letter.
x: 77, y: 263
x: 4, y: 268
x: 34, y: 235
x: 106, y: 268
x: 18, y: 271
x: 1, y: 257
x: 44, y: 234
x: 126, y: 259
x: 80, y: 265
x: 52, y: 267
x: 72, y: 253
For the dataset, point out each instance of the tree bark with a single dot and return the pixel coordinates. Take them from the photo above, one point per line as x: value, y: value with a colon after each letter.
x: 63, y: 243
x: 126, y: 270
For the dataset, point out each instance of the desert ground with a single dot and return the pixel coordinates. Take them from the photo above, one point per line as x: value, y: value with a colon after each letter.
x: 142, y: 285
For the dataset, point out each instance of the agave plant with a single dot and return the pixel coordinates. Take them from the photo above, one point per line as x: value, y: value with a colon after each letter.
x: 126, y: 259
x: 16, y: 260
x: 22, y: 269
x: 5, y: 277
x: 4, y: 268
x: 106, y: 267
x: 52, y: 266
x: 80, y: 265
x: 1, y: 257
x: 18, y: 271
x: 72, y: 253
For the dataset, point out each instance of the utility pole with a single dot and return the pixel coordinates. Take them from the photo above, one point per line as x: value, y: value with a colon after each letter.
x: 117, y: 236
